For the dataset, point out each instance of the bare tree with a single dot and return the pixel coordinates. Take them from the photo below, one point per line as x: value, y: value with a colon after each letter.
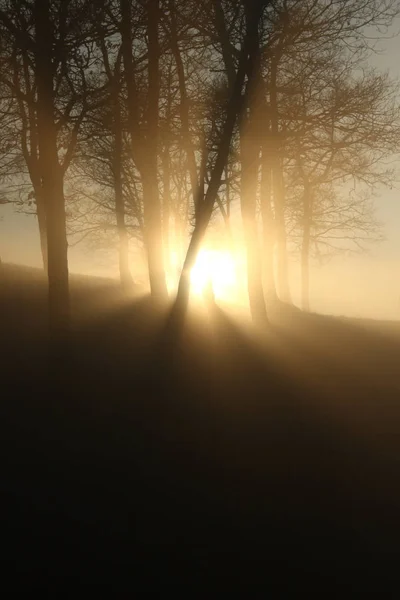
x: 339, y: 123
x: 145, y: 145
x: 51, y: 172
x: 249, y: 156
x: 53, y: 41
x: 235, y: 109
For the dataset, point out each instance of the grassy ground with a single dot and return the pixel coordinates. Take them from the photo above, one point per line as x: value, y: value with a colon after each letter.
x: 276, y: 448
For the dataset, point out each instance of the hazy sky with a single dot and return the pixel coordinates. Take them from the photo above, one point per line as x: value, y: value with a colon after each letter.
x: 361, y: 286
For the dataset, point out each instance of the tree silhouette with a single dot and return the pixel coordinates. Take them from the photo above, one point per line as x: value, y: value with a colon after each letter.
x: 53, y: 41
x: 134, y: 124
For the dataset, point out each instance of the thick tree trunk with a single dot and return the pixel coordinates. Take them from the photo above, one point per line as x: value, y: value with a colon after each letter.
x: 59, y: 302
x: 51, y: 175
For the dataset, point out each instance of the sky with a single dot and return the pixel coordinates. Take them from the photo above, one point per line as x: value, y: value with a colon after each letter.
x: 360, y: 286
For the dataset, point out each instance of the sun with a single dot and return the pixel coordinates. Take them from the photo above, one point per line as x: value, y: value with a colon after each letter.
x: 219, y: 268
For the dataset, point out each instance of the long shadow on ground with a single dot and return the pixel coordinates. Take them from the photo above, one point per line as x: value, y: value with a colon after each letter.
x: 229, y: 443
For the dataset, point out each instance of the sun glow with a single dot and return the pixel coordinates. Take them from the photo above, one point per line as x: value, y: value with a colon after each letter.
x: 217, y: 267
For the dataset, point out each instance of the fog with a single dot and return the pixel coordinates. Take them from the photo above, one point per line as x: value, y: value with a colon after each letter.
x: 360, y: 286
x: 199, y: 286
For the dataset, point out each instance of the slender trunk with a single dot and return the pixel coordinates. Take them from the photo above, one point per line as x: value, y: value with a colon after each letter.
x: 225, y: 216
x: 123, y: 246
x: 144, y: 149
x: 305, y: 273
x: 228, y: 227
x: 249, y: 158
x: 123, y: 254
x: 305, y: 254
x: 166, y: 207
x: 153, y: 236
x: 248, y: 194
x: 184, y: 107
x: 178, y: 228
x: 151, y: 198
x: 179, y: 237
x: 268, y: 222
x: 203, y: 176
x: 278, y: 188
x: 228, y: 194
x: 31, y: 155
x: 282, y: 266
x: 166, y: 173
x: 51, y: 175
x: 224, y: 40
x: 41, y: 216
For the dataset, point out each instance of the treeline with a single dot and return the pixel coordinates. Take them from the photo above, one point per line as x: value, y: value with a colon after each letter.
x: 137, y: 121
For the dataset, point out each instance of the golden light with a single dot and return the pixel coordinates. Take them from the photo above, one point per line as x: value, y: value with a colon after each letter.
x: 219, y: 268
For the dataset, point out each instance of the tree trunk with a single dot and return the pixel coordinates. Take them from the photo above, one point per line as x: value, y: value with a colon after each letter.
x: 278, y: 188
x: 51, y: 175
x: 305, y: 254
x: 227, y: 220
x: 249, y: 158
x: 268, y: 222
x: 249, y: 178
x: 123, y: 246
x: 166, y: 173
x: 305, y: 273
x: 153, y: 237
x: 151, y: 198
x: 145, y: 153
x: 234, y: 111
x: 31, y: 155
x: 41, y: 216
x: 166, y: 207
x: 184, y: 108
x: 282, y: 266
x: 179, y: 237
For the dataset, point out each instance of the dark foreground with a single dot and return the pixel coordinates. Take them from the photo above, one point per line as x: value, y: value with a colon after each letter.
x: 249, y: 458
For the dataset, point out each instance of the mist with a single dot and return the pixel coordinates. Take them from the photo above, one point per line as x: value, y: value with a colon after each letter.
x: 199, y: 292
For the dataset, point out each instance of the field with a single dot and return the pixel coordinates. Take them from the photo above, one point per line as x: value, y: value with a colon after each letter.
x: 127, y: 450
